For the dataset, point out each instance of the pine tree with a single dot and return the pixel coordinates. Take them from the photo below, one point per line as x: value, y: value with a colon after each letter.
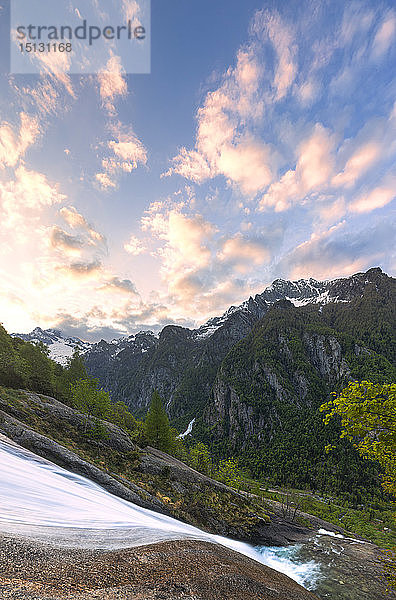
x: 158, y: 430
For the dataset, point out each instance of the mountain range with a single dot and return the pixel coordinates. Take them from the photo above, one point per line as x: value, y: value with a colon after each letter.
x: 250, y: 382
x: 131, y: 367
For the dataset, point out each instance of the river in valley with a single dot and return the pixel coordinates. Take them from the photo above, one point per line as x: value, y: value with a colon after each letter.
x: 40, y: 500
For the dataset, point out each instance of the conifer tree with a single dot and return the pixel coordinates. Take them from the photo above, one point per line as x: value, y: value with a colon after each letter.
x: 158, y: 430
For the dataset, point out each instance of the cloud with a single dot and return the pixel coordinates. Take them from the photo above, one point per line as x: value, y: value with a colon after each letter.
x: 129, y: 149
x: 307, y: 91
x: 23, y: 198
x: 13, y: 145
x: 82, y: 268
x: 315, y: 160
x: 247, y: 165
x: 105, y: 181
x: 130, y: 9
x: 185, y: 237
x: 200, y: 268
x: 134, y: 246
x: 225, y: 142
x: 339, y: 252
x: 385, y: 35
x: 361, y: 160
x: 128, y: 153
x: 184, y: 252
x: 270, y: 26
x: 376, y: 198
x: 243, y: 254
x: 61, y: 239
x: 44, y: 96
x: 123, y: 285
x: 74, y: 218
x: 112, y: 84
x: 84, y: 327
x: 55, y: 66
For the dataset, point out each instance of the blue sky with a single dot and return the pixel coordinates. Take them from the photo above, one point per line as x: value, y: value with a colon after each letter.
x: 261, y: 145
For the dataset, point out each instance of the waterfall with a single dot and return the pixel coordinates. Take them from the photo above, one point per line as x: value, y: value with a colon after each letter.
x: 40, y: 500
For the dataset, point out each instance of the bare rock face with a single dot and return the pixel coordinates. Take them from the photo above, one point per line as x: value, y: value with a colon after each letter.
x: 187, y: 570
x: 277, y: 369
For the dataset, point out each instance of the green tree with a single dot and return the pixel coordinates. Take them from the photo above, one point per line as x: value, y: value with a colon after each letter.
x: 73, y: 371
x: 40, y: 372
x: 92, y: 401
x: 200, y: 459
x: 368, y: 418
x: 13, y: 369
x: 121, y: 416
x: 228, y: 472
x: 158, y: 430
x: 75, y: 368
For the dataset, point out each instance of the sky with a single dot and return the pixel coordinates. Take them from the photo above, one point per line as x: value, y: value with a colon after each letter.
x: 261, y: 145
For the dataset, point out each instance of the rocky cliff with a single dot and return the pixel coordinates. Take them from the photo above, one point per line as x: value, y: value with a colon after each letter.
x: 183, y: 364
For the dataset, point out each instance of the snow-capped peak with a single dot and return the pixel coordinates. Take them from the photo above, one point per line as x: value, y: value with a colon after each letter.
x: 61, y: 348
x: 300, y: 293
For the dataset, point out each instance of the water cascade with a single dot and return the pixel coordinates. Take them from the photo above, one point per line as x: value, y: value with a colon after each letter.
x: 40, y: 500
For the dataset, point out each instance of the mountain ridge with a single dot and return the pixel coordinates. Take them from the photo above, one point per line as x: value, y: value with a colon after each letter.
x: 252, y: 382
x: 300, y: 292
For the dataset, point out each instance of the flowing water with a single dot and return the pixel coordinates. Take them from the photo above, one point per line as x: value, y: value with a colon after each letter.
x: 44, y: 502
x: 40, y: 500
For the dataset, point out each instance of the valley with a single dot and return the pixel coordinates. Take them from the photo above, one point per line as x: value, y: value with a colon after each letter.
x: 243, y: 455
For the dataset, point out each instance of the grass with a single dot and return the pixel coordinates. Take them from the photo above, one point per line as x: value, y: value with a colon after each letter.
x: 375, y: 522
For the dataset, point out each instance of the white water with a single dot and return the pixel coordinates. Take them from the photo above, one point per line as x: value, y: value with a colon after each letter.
x: 188, y: 430
x: 37, y: 495
x: 330, y: 533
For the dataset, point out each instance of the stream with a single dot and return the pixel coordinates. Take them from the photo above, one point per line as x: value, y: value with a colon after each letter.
x: 43, y: 501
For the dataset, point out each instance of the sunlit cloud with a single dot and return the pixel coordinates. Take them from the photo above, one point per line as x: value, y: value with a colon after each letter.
x: 134, y: 246
x: 243, y: 254
x: 376, y: 198
x: 385, y: 36
x: 23, y: 197
x: 269, y: 25
x: 225, y: 144
x: 337, y: 252
x: 128, y: 153
x: 358, y: 164
x: 313, y: 169
x: 14, y: 143
x: 112, y: 84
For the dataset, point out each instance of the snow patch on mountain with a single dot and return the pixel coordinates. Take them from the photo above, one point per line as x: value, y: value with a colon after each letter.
x: 300, y: 293
x: 61, y: 348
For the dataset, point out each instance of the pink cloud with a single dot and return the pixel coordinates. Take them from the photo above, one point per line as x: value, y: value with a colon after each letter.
x: 13, y: 145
